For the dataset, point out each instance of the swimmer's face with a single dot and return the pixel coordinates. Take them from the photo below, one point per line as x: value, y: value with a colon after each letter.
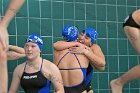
x: 31, y: 50
x: 84, y: 39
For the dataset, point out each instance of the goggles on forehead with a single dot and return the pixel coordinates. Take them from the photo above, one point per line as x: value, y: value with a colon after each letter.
x: 34, y: 41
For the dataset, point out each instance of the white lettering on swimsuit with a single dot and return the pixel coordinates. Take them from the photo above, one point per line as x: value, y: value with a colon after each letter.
x: 30, y: 77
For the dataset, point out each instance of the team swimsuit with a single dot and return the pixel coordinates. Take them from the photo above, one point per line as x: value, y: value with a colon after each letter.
x: 76, y: 88
x: 89, y: 78
x: 35, y: 82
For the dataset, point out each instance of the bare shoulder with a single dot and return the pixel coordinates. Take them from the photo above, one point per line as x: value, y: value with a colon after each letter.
x: 95, y: 47
x: 49, y: 69
x: 20, y: 66
x: 50, y: 65
x: 19, y: 69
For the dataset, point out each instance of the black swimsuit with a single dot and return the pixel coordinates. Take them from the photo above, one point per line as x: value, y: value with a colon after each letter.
x: 35, y: 82
x: 129, y: 21
x: 77, y: 88
x: 89, y: 75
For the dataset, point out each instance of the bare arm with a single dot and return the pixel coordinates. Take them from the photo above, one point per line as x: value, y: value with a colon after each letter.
x: 11, y: 55
x: 62, y: 45
x: 93, y: 53
x: 15, y: 81
x: 17, y: 49
x: 96, y: 57
x: 10, y: 13
x: 15, y: 52
x: 56, y: 79
x: 13, y: 8
x: 3, y: 71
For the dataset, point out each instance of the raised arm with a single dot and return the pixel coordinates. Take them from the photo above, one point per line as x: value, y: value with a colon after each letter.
x: 96, y: 56
x: 93, y: 53
x: 62, y: 45
x: 4, y: 41
x: 11, y: 55
x: 17, y: 49
x: 13, y: 8
x: 15, y: 52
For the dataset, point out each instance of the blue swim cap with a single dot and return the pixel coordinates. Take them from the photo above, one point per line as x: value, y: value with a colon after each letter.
x: 92, y: 33
x: 35, y: 38
x: 70, y: 33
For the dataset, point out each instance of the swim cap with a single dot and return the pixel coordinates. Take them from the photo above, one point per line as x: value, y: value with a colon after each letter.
x: 35, y: 38
x: 92, y: 33
x: 70, y: 33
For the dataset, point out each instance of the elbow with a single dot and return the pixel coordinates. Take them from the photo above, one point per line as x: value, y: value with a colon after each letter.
x: 102, y: 64
x: 99, y: 65
x: 101, y: 68
x: 55, y: 46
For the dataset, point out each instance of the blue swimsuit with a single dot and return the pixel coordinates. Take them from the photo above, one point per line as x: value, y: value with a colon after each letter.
x: 35, y: 82
x: 76, y: 88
